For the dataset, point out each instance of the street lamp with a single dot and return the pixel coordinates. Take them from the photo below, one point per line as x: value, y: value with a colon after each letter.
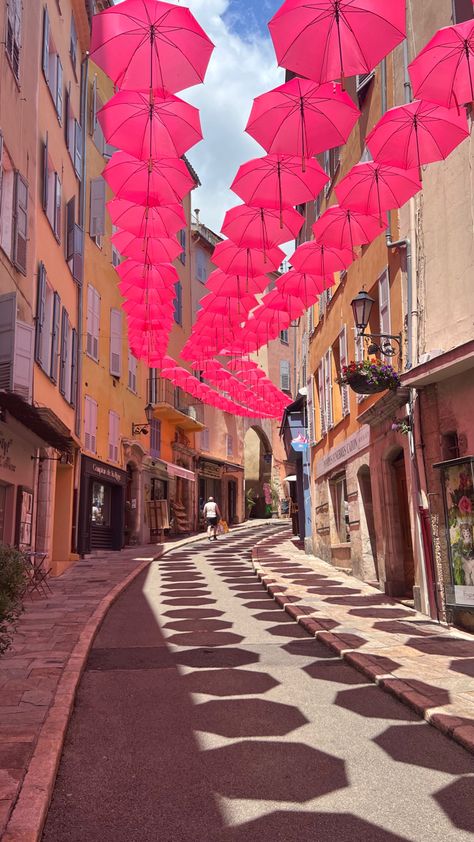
x: 143, y: 429
x: 361, y: 307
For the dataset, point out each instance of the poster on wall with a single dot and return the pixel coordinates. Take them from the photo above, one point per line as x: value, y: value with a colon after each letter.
x: 458, y: 487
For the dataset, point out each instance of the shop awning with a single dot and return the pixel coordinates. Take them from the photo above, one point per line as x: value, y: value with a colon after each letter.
x: 177, y: 471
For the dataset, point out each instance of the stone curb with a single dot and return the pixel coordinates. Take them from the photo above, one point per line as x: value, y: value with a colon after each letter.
x: 372, y: 666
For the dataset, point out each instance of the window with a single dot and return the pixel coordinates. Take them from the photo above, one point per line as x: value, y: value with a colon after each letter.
x: 450, y: 446
x: 304, y: 357
x: 462, y: 10
x: 155, y: 438
x: 74, y: 242
x: 325, y: 392
x: 95, y: 128
x: 51, y: 193
x: 285, y: 375
x: 97, y: 209
x: 48, y: 311
x: 331, y: 162
x: 340, y: 505
x: 201, y: 265
x: 363, y: 81
x: 16, y: 349
x: 229, y: 445
x: 310, y: 408
x: 73, y: 43
x: 116, y: 256
x: 384, y: 306
x: 13, y: 35
x: 204, y: 439
x: 359, y: 355
x: 284, y: 336
x: 93, y: 323
x: 13, y: 211
x: 66, y: 358
x: 178, y: 303
x: 73, y: 135
x: 345, y: 404
x: 52, y: 67
x: 114, y: 436
x: 182, y: 242
x: 90, y: 424
x: 132, y: 372
x: 115, y: 342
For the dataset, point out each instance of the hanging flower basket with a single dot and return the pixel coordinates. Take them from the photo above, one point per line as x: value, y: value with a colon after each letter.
x: 369, y: 377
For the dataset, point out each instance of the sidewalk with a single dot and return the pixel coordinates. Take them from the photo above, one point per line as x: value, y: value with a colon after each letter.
x: 40, y: 673
x: 426, y: 666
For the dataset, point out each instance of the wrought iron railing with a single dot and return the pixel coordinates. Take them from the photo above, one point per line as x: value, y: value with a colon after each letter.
x: 160, y: 390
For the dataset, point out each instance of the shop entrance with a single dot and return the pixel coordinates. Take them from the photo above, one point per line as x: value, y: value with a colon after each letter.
x: 402, y: 525
x: 101, y: 525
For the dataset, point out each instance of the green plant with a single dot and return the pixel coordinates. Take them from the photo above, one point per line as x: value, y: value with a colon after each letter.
x: 250, y: 500
x: 12, y: 586
x: 375, y: 372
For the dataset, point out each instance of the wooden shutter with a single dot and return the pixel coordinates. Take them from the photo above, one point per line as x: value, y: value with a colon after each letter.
x: 1, y: 168
x: 93, y: 417
x: 93, y: 107
x: 285, y: 375
x: 97, y: 207
x: 7, y: 339
x: 70, y: 223
x: 328, y: 387
x: 132, y: 372
x: 178, y: 302
x: 90, y: 321
x: 74, y: 367
x: 343, y: 361
x: 77, y: 257
x: 46, y: 43
x: 90, y: 424
x: 57, y: 205
x: 40, y: 308
x: 155, y: 437
x: 63, y: 359
x: 53, y: 367
x: 384, y: 304
x: 115, y: 342
x: 114, y: 423
x: 322, y: 398
x: 45, y: 175
x: 59, y: 89
x: 20, y: 223
x: 310, y: 408
x: 23, y: 361
x: 78, y: 148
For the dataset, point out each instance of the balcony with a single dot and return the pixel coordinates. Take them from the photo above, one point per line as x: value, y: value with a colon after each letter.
x: 170, y: 403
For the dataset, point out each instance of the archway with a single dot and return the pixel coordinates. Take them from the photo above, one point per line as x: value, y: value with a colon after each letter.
x: 257, y: 471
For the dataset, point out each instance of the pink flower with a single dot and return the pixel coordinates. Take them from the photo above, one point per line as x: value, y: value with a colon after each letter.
x: 465, y: 505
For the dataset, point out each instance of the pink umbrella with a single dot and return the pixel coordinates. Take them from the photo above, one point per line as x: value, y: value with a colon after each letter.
x: 302, y: 118
x: 261, y: 227
x: 234, y: 286
x: 245, y: 261
x: 372, y: 188
x: 161, y: 221
x: 143, y: 276
x: 147, y: 250
x: 157, y: 182
x: 278, y: 181
x: 303, y: 286
x: 332, y: 39
x: 289, y: 304
x: 443, y: 71
x: 342, y: 228
x: 147, y: 310
x: 418, y: 133
x: 141, y: 296
x: 242, y: 365
x: 150, y: 127
x: 224, y: 305
x: 316, y: 259
x: 143, y: 44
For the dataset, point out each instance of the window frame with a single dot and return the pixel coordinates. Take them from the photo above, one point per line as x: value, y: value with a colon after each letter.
x: 13, y: 25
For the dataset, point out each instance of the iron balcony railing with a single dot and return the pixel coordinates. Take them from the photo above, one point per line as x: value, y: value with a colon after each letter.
x: 162, y: 391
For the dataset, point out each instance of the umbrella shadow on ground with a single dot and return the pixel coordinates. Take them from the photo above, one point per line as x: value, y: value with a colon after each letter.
x: 415, y: 747
x: 309, y: 827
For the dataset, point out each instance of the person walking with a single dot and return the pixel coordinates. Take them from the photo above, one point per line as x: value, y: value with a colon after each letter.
x: 212, y: 514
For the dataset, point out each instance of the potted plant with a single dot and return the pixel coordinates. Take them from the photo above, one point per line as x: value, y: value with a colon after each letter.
x: 12, y: 588
x: 367, y: 377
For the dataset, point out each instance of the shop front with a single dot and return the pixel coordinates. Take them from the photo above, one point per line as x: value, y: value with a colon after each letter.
x: 224, y: 482
x: 18, y: 479
x: 101, y: 506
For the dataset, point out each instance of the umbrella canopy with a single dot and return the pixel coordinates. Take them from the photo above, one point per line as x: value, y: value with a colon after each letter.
x: 242, y: 365
x: 150, y: 127
x: 261, y: 227
x: 158, y: 182
x: 443, y: 71
x: 143, y: 276
x: 160, y: 221
x: 330, y: 39
x: 303, y: 286
x: 225, y: 305
x: 316, y: 259
x: 157, y: 309
x: 278, y: 181
x: 417, y: 133
x: 146, y: 249
x: 246, y: 261
x: 342, y: 228
x: 290, y: 304
x: 302, y: 118
x: 143, y: 44
x: 234, y: 286
x: 372, y: 188
x: 153, y: 295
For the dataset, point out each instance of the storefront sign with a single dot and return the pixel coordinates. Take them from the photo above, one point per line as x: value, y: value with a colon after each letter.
x: 102, y: 471
x: 106, y: 472
x: 354, y: 444
x: 210, y: 469
x: 458, y: 492
x: 6, y: 454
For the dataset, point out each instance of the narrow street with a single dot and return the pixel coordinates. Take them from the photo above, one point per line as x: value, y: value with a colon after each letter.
x: 206, y: 713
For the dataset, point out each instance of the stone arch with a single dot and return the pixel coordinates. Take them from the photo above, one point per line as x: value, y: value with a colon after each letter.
x: 257, y: 467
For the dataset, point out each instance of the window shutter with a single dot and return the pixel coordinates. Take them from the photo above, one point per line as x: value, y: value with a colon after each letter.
x: 20, y: 223
x: 63, y: 360
x: 93, y: 108
x: 57, y: 205
x: 53, y: 369
x: 70, y: 223
x: 46, y: 43
x: 201, y: 266
x: 96, y: 325
x: 87, y: 423
x: 97, y: 207
x: 155, y: 437
x: 74, y: 367
x: 178, y: 302
x: 77, y: 259
x: 115, y: 342
x: 322, y: 398
x: 182, y: 241
x: 40, y: 305
x: 111, y: 435
x: 359, y: 356
x: 285, y: 375
x: 384, y: 304
x: 45, y: 174
x: 73, y: 42
x: 328, y: 387
x: 59, y: 89
x: 68, y: 126
x: 132, y: 372
x: 90, y: 321
x: 310, y: 408
x: 23, y: 362
x: 7, y: 339
x: 343, y: 361
x: 93, y: 427
x: 1, y: 167
x: 77, y: 148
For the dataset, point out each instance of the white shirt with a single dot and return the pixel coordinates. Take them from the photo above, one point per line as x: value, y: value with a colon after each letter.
x: 210, y: 509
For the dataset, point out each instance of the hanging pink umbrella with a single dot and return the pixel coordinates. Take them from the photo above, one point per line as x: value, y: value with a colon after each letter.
x: 443, y: 72
x: 261, y: 227
x: 245, y: 261
x: 342, y: 228
x: 150, y: 127
x: 302, y: 118
x: 372, y: 188
x: 147, y: 250
x: 303, y: 286
x: 158, y: 182
x: 160, y: 221
x: 418, y: 133
x: 289, y: 304
x: 147, y: 310
x: 332, y: 39
x: 141, y: 296
x: 242, y: 365
x: 234, y: 286
x: 143, y: 44
x: 143, y: 276
x: 225, y: 305
x: 321, y: 261
x: 278, y: 181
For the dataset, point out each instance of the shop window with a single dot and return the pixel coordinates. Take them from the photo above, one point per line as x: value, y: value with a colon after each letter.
x: 93, y: 323
x: 90, y: 424
x: 462, y: 10
x: 285, y: 375
x: 13, y: 35
x: 51, y: 193
x: 155, y: 440
x: 340, y: 505
x: 101, y: 495
x: 114, y: 436
x: 52, y: 67
x: 48, y: 311
x: 115, y: 342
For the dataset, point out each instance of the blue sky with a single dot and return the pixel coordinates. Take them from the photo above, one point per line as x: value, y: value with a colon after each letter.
x: 247, y: 17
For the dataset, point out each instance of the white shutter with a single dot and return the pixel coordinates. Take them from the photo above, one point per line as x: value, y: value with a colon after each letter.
x: 115, y: 342
x: 97, y: 207
x: 23, y: 361
x: 328, y: 386
x: 359, y: 356
x: 93, y: 420
x: 132, y: 372
x: 87, y: 423
x: 7, y: 339
x: 343, y: 361
x: 310, y: 408
x: 322, y: 398
x: 90, y: 319
x: 285, y: 375
x: 384, y: 305
x: 112, y: 441
x: 59, y: 89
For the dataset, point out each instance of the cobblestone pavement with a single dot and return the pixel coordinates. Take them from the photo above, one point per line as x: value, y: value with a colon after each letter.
x: 206, y: 714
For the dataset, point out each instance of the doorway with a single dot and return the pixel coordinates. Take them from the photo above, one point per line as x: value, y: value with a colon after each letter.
x: 231, y: 500
x: 403, y: 525
x: 367, y: 514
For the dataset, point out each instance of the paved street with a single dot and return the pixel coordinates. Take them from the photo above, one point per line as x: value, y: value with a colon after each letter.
x: 206, y: 713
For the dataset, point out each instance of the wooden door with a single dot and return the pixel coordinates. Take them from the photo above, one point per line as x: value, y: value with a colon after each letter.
x: 405, y: 530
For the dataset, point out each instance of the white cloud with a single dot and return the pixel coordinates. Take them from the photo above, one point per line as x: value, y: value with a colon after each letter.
x: 239, y: 70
